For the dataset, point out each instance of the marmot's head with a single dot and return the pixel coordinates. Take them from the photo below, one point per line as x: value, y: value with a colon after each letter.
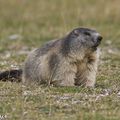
x: 84, y: 38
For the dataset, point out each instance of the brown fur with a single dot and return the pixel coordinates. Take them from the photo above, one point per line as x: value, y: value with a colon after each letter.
x: 69, y: 61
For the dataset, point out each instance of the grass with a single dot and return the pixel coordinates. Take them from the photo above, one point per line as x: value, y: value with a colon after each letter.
x: 25, y: 25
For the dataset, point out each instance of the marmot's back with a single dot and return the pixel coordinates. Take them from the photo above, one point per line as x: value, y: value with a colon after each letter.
x: 36, y: 66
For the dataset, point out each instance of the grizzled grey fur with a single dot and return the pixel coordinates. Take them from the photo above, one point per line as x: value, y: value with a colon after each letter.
x: 71, y: 60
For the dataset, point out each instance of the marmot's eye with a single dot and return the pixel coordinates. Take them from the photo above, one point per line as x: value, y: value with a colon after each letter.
x: 87, y: 33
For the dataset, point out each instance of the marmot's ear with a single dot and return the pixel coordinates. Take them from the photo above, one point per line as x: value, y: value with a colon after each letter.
x: 76, y: 32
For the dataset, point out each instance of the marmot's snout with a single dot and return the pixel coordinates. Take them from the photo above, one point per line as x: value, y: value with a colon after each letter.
x: 98, y: 40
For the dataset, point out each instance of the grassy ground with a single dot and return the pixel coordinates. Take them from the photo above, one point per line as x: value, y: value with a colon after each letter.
x: 26, y: 24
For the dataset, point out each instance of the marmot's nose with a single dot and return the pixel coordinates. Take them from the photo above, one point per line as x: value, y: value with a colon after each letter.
x: 99, y: 38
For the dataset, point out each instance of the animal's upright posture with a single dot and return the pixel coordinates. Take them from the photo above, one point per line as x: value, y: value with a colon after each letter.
x: 71, y: 60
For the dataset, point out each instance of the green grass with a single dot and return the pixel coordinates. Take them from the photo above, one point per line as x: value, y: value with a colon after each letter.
x: 37, y: 21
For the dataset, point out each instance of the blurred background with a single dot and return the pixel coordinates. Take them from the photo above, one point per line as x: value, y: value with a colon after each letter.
x: 32, y: 22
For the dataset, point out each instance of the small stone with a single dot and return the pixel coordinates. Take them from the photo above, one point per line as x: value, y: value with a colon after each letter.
x: 15, y: 37
x: 108, y: 42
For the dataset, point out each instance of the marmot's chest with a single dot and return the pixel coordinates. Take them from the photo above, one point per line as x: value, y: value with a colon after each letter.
x: 83, y: 64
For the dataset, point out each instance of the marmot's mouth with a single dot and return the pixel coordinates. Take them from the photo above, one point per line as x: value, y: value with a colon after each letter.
x: 96, y: 45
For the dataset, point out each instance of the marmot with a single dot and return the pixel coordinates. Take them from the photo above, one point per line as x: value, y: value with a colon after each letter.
x: 69, y: 61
